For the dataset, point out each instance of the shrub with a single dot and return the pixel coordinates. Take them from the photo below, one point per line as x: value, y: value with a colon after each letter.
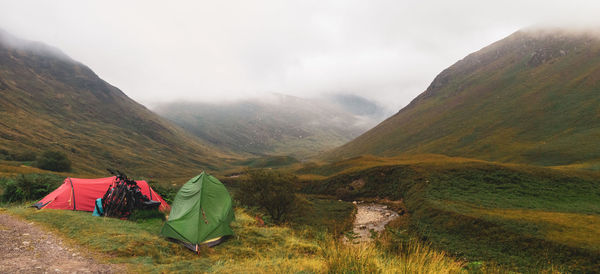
x: 166, y: 192
x: 29, y: 187
x: 343, y: 193
x: 54, y: 161
x: 141, y: 215
x: 270, y: 190
x: 5, y: 155
x: 24, y: 156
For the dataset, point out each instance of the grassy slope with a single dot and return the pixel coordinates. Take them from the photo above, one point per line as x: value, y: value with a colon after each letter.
x: 50, y: 101
x: 254, y: 248
x: 522, y: 217
x: 530, y: 98
x: 11, y: 168
x: 140, y: 247
x: 304, y: 246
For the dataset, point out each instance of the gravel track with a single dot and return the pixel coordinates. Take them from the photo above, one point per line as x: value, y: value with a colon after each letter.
x: 27, y: 248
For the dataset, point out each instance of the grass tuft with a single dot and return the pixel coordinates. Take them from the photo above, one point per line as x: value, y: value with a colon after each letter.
x: 412, y: 257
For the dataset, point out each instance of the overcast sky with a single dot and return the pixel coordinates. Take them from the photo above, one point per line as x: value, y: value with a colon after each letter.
x: 387, y: 51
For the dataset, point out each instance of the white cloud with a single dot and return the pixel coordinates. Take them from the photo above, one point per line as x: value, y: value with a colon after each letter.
x: 388, y: 51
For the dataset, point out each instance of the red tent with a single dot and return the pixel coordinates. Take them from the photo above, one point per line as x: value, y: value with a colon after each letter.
x: 81, y: 194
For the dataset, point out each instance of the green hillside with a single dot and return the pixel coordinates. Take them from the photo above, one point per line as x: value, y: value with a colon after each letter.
x: 276, y: 125
x: 532, y: 97
x: 524, y: 218
x: 49, y: 101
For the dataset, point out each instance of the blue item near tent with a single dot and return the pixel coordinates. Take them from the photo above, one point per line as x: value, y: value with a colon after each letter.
x: 98, y: 211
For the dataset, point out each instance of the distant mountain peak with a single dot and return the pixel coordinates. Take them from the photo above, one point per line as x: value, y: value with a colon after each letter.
x: 273, y: 124
x: 10, y: 41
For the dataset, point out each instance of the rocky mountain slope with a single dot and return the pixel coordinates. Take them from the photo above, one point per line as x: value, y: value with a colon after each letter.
x: 50, y: 101
x: 533, y: 97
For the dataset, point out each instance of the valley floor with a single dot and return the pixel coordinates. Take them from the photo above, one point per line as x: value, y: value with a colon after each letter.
x: 255, y: 248
x: 27, y: 248
x: 456, y: 215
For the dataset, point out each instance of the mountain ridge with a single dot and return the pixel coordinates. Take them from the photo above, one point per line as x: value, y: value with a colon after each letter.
x: 528, y: 98
x: 50, y: 101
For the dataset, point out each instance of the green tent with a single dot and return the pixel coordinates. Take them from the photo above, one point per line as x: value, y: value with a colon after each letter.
x: 200, y: 214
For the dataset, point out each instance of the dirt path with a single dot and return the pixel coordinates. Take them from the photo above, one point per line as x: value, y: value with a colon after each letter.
x: 27, y: 248
x: 371, y: 217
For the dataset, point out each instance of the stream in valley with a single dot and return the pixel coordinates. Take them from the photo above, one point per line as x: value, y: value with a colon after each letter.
x: 371, y: 217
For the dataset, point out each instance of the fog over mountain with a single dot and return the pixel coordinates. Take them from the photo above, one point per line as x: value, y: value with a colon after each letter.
x: 384, y: 51
x: 277, y: 124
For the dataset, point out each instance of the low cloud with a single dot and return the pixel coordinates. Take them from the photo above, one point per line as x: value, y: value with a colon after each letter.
x: 387, y: 51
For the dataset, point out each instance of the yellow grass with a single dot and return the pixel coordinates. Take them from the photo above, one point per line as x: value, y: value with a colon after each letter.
x: 414, y: 257
x: 9, y: 169
x: 368, y: 161
x: 571, y: 229
x: 253, y: 249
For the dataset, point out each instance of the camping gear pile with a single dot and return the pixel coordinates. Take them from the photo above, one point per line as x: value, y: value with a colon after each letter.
x: 81, y: 194
x: 201, y: 215
x: 124, y: 197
